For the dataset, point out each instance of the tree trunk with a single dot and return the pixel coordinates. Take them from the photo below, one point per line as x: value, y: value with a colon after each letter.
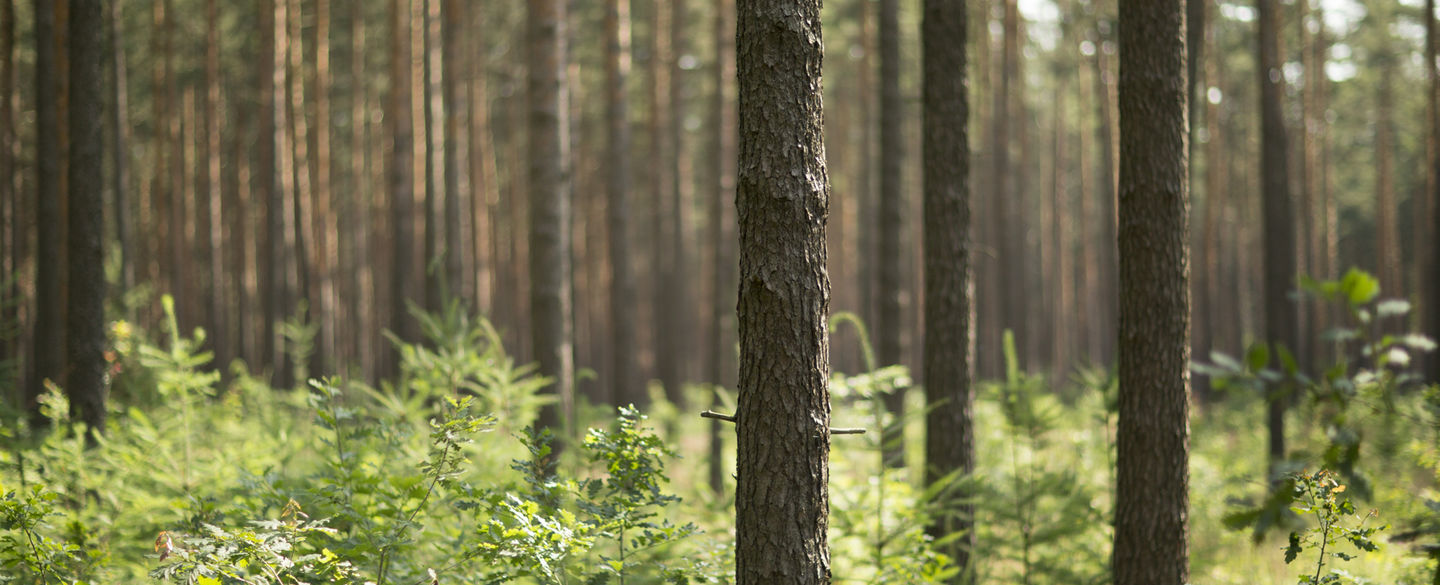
x: 722, y: 228
x: 1433, y: 277
x: 677, y: 300
x: 86, y: 303
x: 781, y: 503
x: 434, y: 198
x: 625, y: 387
x: 457, y: 255
x: 406, y: 277
x: 119, y: 136
x: 1387, y: 230
x: 660, y: 185
x: 48, y: 347
x: 361, y: 279
x: 272, y: 123
x: 949, y: 367
x: 890, y: 324
x: 1102, y: 335
x: 550, y: 266
x: 10, y: 296
x: 1152, y: 439
x: 324, y: 227
x: 209, y: 199
x: 1279, y: 226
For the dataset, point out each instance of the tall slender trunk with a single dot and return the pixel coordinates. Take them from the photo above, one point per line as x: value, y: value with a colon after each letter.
x: 1387, y: 237
x: 210, y: 200
x: 86, y: 319
x: 550, y: 213
x: 324, y: 226
x: 47, y: 358
x: 359, y: 269
x: 405, y: 276
x: 722, y: 219
x: 624, y: 386
x: 119, y: 155
x: 457, y: 254
x: 949, y: 346
x: 660, y: 185
x: 890, y: 322
x: 1279, y: 244
x: 782, y: 435
x: 10, y: 298
x: 428, y: 45
x: 1152, y: 435
x: 1432, y: 70
x: 677, y: 301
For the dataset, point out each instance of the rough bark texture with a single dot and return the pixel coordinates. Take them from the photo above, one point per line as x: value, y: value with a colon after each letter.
x: 949, y: 365
x: 625, y: 388
x: 890, y: 325
x: 550, y: 302
x: 1279, y: 217
x: 86, y: 316
x: 48, y: 348
x: 1151, y: 499
x: 781, y: 504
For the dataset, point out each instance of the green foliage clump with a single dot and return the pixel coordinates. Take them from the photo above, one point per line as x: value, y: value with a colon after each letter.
x: 1321, y: 495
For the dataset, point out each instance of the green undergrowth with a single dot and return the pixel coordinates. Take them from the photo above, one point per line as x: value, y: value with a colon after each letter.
x: 203, y: 478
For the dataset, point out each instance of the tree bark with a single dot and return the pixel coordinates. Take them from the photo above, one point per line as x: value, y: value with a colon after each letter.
x: 1387, y: 235
x: 48, y: 347
x: 949, y: 367
x: 1279, y: 217
x: 324, y: 227
x: 1432, y: 71
x: 457, y: 255
x: 781, y: 503
x: 550, y: 266
x: 119, y: 136
x: 890, y: 342
x: 209, y: 199
x: 678, y: 302
x: 86, y: 300
x: 10, y: 258
x: 625, y: 387
x: 1152, y: 439
x: 407, y: 278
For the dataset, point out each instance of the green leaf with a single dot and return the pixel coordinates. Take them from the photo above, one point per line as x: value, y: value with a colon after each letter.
x: 1359, y: 287
x: 1294, y: 548
x: 1258, y: 357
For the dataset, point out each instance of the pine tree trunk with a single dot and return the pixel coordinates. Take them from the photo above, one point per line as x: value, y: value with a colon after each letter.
x: 949, y: 362
x: 781, y: 502
x: 550, y: 266
x: 1152, y: 438
x: 1279, y: 217
x: 406, y: 277
x: 86, y: 302
x: 48, y: 347
x: 890, y: 324
x: 625, y: 387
